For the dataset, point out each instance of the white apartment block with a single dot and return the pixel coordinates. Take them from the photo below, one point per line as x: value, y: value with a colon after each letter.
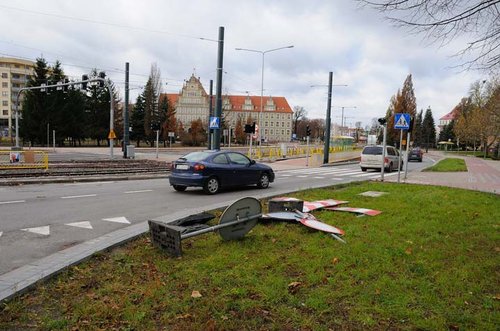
x: 14, y: 74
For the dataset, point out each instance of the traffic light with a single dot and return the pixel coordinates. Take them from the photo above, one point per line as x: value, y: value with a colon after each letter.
x: 253, y: 127
x: 382, y: 120
x: 65, y: 87
x: 308, y: 131
x: 412, y: 122
x: 102, y: 75
x: 85, y: 78
x: 248, y: 128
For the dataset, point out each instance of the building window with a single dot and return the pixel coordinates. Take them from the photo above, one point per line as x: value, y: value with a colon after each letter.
x: 5, y: 84
x: 5, y: 112
x: 5, y: 94
x: 5, y: 75
x: 5, y: 103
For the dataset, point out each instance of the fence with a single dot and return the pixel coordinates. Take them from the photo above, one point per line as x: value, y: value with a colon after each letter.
x: 274, y: 152
x: 28, y: 159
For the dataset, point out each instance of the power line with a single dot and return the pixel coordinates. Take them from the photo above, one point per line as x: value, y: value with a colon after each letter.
x: 86, y: 20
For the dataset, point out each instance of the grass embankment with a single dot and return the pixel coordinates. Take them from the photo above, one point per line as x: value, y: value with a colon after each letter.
x: 448, y: 164
x: 429, y: 261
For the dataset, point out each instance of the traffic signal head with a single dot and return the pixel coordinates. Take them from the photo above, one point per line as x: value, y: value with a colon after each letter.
x: 253, y: 127
x: 248, y: 128
x: 382, y: 120
x: 102, y: 75
x: 65, y: 87
x: 85, y: 78
x: 308, y: 131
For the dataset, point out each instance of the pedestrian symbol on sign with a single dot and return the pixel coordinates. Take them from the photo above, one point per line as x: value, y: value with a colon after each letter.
x: 402, y: 121
x: 214, y: 122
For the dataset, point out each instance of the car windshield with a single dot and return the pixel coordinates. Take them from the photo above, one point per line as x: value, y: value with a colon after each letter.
x: 196, y: 156
x: 373, y: 150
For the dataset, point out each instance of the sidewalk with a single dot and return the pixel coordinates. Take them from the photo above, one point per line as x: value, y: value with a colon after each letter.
x: 481, y: 175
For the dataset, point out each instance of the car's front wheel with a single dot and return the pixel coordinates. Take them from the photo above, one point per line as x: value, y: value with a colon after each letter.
x: 179, y: 188
x: 363, y: 169
x: 211, y: 186
x: 263, y: 181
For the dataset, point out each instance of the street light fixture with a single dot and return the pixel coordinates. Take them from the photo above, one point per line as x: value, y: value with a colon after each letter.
x: 262, y: 81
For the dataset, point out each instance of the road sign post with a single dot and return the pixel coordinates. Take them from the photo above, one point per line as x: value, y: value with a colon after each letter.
x: 401, y: 122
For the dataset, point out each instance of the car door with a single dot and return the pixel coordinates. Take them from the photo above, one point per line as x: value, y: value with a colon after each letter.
x: 221, y: 167
x: 243, y: 173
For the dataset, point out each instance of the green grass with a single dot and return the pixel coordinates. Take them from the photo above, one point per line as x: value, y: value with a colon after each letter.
x: 447, y: 165
x: 428, y: 262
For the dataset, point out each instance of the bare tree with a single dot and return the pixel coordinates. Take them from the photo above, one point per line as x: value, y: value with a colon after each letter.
x: 445, y: 20
x: 299, y: 113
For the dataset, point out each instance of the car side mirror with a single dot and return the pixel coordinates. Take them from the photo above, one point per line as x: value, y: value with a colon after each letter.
x: 252, y: 162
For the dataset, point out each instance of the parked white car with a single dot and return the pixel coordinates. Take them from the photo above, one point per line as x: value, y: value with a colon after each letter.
x: 371, y: 158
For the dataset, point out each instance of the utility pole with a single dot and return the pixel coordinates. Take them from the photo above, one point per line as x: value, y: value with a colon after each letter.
x: 218, y: 88
x: 210, y: 114
x: 326, y: 151
x: 125, y: 114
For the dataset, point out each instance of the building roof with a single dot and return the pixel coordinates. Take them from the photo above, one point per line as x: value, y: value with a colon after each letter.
x: 450, y: 116
x: 237, y: 101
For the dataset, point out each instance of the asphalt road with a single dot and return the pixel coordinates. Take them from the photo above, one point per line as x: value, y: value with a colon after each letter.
x: 39, y: 220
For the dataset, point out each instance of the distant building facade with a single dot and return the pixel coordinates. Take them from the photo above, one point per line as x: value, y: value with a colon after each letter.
x: 14, y: 74
x: 193, y: 103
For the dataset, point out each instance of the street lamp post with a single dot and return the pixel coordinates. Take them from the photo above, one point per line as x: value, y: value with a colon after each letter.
x: 262, y: 81
x: 342, y: 121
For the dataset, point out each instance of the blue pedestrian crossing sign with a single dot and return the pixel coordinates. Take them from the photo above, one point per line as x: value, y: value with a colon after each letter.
x: 214, y: 123
x: 402, y: 121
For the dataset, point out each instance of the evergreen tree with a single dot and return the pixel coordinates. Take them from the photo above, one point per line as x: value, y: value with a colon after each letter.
x: 34, y: 119
x: 428, y: 130
x: 417, y: 129
x: 98, y: 109
x: 137, y: 121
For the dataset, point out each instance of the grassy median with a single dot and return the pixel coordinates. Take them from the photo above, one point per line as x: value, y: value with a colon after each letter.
x: 447, y: 165
x: 428, y: 262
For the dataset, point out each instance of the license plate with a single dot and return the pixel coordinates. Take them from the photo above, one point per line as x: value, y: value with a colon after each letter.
x: 182, y: 166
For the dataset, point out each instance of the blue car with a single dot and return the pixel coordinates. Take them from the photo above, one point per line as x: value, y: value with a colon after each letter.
x: 214, y: 169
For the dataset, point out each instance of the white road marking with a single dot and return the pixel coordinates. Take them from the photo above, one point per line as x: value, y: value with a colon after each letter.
x: 336, y: 178
x: 120, y: 219
x: 79, y: 196
x: 43, y: 230
x: 1, y: 234
x: 347, y: 173
x: 89, y: 183
x: 139, y: 191
x: 13, y: 201
x: 319, y: 177
x: 301, y: 176
x: 84, y: 225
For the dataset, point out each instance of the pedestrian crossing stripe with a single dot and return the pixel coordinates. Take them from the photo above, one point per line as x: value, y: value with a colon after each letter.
x: 1, y: 233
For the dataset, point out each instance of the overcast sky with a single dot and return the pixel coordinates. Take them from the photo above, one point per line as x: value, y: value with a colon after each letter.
x: 361, y: 49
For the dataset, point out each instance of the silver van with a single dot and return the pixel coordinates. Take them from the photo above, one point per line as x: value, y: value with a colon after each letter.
x: 371, y: 158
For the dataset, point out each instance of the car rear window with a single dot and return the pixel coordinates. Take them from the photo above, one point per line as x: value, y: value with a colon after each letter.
x: 372, y: 150
x: 196, y: 156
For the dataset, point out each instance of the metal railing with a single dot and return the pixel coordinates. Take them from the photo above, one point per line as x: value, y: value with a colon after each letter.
x: 26, y: 159
x: 277, y: 152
